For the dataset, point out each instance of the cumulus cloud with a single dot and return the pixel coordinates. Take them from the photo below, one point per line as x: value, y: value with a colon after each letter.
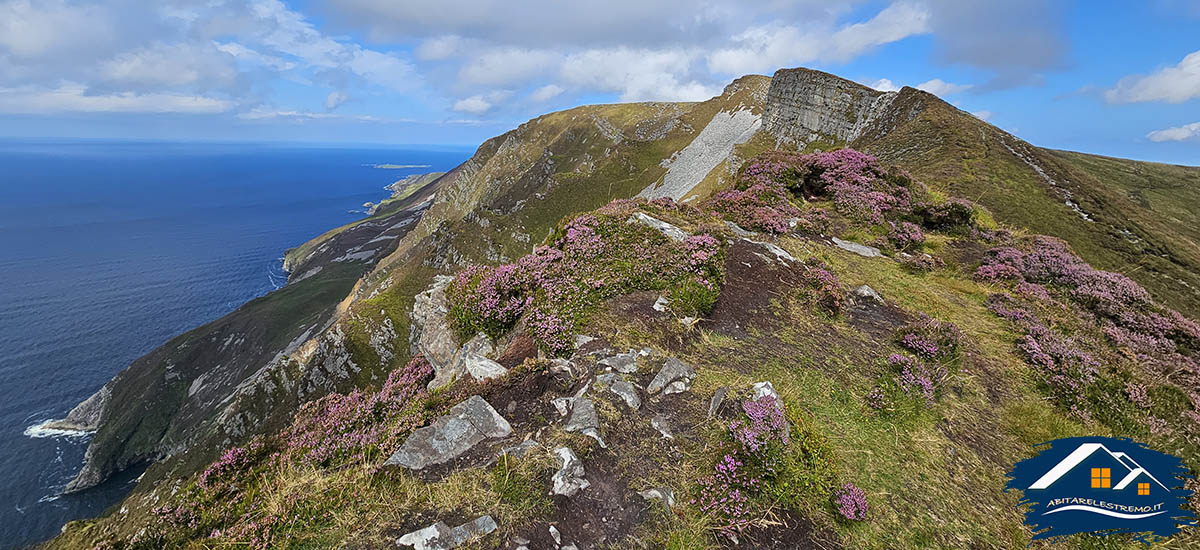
x: 1178, y: 133
x: 1171, y: 84
x: 638, y: 75
x: 982, y: 115
x: 335, y: 99
x: 506, y: 66
x: 1016, y: 40
x: 546, y: 92
x: 940, y: 87
x: 170, y: 65
x: 885, y: 85
x: 481, y: 103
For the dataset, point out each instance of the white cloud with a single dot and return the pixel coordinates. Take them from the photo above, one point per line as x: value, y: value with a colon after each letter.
x: 73, y: 98
x: 335, y: 99
x: 475, y: 105
x: 171, y: 65
x: 940, y: 87
x: 506, y: 66
x: 885, y: 85
x: 546, y: 92
x: 638, y: 75
x: 768, y: 47
x: 35, y: 30
x: 982, y: 115
x: 1171, y: 84
x: 1178, y: 133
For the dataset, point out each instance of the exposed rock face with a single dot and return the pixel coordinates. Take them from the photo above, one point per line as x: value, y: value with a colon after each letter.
x: 672, y: 232
x: 860, y: 249
x: 430, y: 335
x: 467, y: 424
x: 674, y: 377
x: 440, y: 536
x: 714, y: 144
x: 85, y: 417
x: 804, y: 105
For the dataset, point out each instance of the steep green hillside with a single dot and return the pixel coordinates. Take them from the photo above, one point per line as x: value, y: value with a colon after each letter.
x: 269, y: 428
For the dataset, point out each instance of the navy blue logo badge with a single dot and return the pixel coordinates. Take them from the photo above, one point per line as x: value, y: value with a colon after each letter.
x: 1102, y: 485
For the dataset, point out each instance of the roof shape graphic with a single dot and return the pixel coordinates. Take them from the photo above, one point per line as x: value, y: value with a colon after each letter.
x: 1081, y: 453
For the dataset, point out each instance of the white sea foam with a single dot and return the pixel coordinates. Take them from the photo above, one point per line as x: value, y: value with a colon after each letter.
x: 43, y: 431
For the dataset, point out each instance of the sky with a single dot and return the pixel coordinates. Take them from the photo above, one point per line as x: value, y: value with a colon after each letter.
x: 1114, y: 78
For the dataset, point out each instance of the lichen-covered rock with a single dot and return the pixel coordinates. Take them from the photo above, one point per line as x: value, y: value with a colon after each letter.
x: 622, y: 362
x: 568, y: 480
x: 440, y: 536
x: 673, y: 377
x: 451, y: 435
x: 430, y: 334
x: 627, y: 392
x: 860, y: 249
x: 672, y: 232
x: 866, y: 293
x: 804, y: 105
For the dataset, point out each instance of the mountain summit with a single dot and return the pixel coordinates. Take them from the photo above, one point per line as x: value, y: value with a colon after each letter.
x: 803, y: 313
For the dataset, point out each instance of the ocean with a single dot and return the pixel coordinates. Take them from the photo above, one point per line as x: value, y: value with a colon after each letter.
x: 110, y: 248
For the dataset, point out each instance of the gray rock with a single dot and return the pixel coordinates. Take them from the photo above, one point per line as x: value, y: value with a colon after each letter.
x: 440, y: 536
x: 554, y: 534
x: 803, y: 105
x: 673, y: 377
x: 780, y: 254
x: 737, y: 230
x: 672, y: 232
x: 481, y: 368
x: 581, y: 339
x: 660, y: 423
x: 622, y: 362
x: 430, y: 334
x: 519, y: 450
x: 663, y: 494
x: 660, y: 304
x: 627, y: 392
x: 584, y: 420
x: 860, y: 249
x: 717, y: 399
x: 464, y: 426
x: 865, y: 292
x: 568, y: 480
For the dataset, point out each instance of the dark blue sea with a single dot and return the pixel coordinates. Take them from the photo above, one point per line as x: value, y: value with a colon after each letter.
x: 108, y: 249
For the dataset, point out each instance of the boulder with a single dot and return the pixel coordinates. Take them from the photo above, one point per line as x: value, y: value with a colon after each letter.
x: 860, y: 249
x: 430, y: 334
x: 627, y: 392
x: 481, y: 368
x: 673, y: 377
x: 622, y: 362
x: 440, y: 536
x: 865, y: 292
x: 718, y: 398
x: 464, y: 426
x: 583, y: 419
x: 568, y: 480
x: 780, y: 254
x: 672, y: 232
x: 663, y: 494
x: 660, y: 423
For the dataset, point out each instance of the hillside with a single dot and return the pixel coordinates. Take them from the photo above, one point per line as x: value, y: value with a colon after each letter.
x: 725, y: 271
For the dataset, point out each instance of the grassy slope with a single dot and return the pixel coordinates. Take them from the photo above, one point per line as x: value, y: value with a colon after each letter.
x: 957, y: 153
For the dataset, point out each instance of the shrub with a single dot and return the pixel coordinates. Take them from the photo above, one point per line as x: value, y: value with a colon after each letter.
x: 903, y: 237
x: 851, y: 502
x: 920, y: 263
x: 932, y: 339
x: 758, y: 208
x: 488, y: 300
x: 693, y: 297
x: 916, y: 377
x: 951, y: 214
x: 825, y: 288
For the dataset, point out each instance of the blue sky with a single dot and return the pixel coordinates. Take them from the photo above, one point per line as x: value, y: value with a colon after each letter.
x: 1114, y: 78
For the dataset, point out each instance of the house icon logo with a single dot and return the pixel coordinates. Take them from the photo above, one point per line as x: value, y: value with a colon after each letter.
x: 1102, y: 485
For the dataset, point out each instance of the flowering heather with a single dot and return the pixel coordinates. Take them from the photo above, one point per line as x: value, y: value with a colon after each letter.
x: 932, y: 339
x: 592, y: 257
x: 876, y: 398
x: 758, y: 208
x: 813, y: 221
x: 826, y: 289
x: 851, y: 502
x: 904, y: 236
x: 1061, y: 361
x: 233, y: 461
x: 765, y: 425
x: 1007, y: 307
x: 916, y: 377
x: 952, y: 213
x: 1138, y: 395
x: 726, y: 494
x: 345, y: 427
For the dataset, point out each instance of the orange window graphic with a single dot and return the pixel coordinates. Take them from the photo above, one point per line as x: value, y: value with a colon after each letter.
x: 1102, y: 478
x: 1143, y: 488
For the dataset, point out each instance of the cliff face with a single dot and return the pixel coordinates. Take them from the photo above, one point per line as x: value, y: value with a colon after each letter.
x: 344, y: 321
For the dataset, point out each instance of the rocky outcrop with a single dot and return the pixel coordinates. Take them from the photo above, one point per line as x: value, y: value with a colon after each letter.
x: 714, y: 144
x: 804, y: 105
x: 85, y: 417
x: 467, y: 424
x: 674, y: 377
x: 440, y: 536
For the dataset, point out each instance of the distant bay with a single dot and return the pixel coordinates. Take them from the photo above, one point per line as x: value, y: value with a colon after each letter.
x: 109, y: 248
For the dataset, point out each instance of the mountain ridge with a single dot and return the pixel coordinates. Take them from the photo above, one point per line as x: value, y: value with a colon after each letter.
x: 513, y: 193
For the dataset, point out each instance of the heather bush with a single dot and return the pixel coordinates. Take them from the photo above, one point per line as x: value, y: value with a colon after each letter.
x: 813, y: 221
x: 758, y: 208
x: 592, y: 257
x: 234, y: 461
x: 851, y: 502
x: 952, y: 214
x: 824, y: 288
x: 1062, y: 364
x: 917, y: 378
x: 902, y: 237
x: 932, y: 339
x: 339, y: 428
x: 876, y: 398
